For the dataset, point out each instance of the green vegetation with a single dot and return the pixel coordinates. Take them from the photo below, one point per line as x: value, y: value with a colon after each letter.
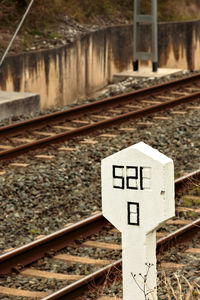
x: 54, y: 36
x: 34, y: 231
x: 46, y: 17
x: 190, y: 201
x: 193, y: 197
x: 88, y: 10
x: 41, y: 14
x: 91, y: 11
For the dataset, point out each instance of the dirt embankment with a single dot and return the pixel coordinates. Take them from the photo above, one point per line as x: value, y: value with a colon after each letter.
x: 52, y: 23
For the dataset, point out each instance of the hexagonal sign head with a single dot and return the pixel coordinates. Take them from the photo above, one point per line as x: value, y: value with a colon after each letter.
x: 138, y: 188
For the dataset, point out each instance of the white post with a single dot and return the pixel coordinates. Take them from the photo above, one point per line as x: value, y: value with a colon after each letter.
x: 137, y: 197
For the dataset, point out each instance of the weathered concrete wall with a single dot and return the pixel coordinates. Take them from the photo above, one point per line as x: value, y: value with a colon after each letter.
x: 179, y: 45
x: 16, y: 104
x: 60, y: 75
x: 63, y: 75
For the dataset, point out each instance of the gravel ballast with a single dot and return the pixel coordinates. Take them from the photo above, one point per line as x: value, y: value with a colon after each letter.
x: 66, y: 187
x: 48, y: 193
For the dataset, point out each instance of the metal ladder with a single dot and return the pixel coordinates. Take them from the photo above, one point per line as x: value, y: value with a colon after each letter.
x: 147, y: 19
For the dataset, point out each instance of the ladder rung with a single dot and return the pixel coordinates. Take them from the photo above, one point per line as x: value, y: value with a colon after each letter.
x: 144, y: 19
x: 143, y: 55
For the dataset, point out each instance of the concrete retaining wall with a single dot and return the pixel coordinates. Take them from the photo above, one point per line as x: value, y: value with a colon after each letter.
x: 16, y: 104
x: 63, y: 75
x: 179, y: 45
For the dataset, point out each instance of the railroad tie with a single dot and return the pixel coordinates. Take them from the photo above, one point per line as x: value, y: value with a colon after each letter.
x: 45, y: 156
x: 178, y: 222
x: 106, y: 135
x: 80, y: 122
x: 161, y: 118
x: 193, y: 251
x: 83, y: 260
x: 2, y: 173
x: 102, y: 245
x: 145, y: 123
x: 44, y: 133
x: 6, y: 147
x: 170, y: 265
x: 187, y: 209
x: 19, y: 165
x: 193, y: 107
x: 164, y: 97
x: 115, y: 111
x: 23, y: 140
x: 22, y: 293
x: 109, y: 298
x: 161, y: 234
x: 50, y: 275
x: 89, y: 142
x: 66, y: 149
x: 180, y: 93
x: 178, y: 112
x: 100, y: 117
x: 127, y: 129
x: 64, y: 127
x: 132, y: 106
x: 151, y: 102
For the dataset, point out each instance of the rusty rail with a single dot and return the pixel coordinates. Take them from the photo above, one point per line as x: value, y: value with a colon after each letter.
x: 91, y: 107
x: 58, y: 240
x: 84, y: 130
x: 185, y: 181
x: 55, y: 241
x: 76, y: 289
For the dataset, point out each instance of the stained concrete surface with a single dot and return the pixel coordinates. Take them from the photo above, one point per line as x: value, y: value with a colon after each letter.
x: 16, y: 104
x: 75, y: 71
x: 145, y: 73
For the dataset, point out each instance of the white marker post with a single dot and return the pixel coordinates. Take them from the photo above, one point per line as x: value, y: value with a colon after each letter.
x: 137, y: 197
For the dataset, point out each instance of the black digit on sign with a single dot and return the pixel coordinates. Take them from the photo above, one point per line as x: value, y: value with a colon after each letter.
x: 120, y: 178
x: 131, y: 181
x: 133, y: 213
x: 141, y: 178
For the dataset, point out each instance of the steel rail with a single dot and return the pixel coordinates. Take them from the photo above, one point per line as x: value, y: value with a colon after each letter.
x: 34, y: 250
x: 75, y: 289
x: 178, y: 236
x: 185, y: 181
x: 91, y: 107
x: 84, y: 130
x: 59, y: 239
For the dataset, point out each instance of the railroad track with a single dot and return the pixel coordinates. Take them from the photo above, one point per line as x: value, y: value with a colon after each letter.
x: 84, y: 119
x: 59, y: 250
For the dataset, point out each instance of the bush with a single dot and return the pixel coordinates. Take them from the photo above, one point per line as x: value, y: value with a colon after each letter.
x: 41, y: 13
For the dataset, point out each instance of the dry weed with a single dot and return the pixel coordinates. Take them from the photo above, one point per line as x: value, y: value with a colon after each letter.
x: 182, y: 289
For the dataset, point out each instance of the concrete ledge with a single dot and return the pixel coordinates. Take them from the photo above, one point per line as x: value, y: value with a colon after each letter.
x: 145, y: 73
x: 17, y: 104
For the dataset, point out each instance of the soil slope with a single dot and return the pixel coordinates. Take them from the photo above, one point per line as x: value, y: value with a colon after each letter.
x: 51, y: 23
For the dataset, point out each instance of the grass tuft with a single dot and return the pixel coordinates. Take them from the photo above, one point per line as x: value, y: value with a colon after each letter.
x: 181, y: 289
